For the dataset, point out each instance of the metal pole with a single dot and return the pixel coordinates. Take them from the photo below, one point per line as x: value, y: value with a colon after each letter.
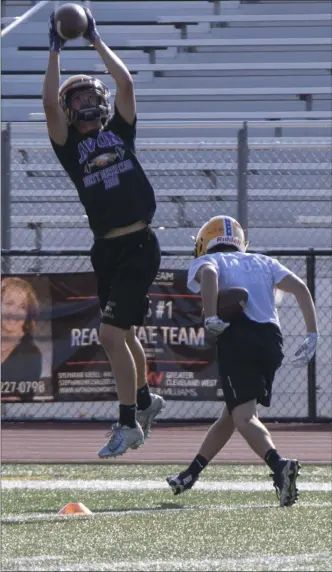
x: 242, y: 174
x: 312, y: 387
x: 5, y: 196
x: 24, y: 17
x: 217, y: 7
x: 37, y: 265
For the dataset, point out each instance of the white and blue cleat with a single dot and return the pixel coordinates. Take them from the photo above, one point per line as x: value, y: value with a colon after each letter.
x: 145, y: 417
x: 122, y: 439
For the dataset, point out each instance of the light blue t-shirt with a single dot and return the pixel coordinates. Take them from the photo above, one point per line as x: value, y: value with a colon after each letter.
x: 258, y: 273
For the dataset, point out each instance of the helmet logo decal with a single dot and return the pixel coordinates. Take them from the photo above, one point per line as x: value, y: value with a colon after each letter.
x: 228, y: 227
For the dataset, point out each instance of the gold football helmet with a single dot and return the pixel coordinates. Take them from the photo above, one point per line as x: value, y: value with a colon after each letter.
x: 220, y: 230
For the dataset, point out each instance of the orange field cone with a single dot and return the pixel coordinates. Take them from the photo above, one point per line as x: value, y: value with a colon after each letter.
x: 75, y: 508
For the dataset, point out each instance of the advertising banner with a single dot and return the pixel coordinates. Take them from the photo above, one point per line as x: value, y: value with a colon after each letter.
x: 81, y: 370
x: 180, y: 354
x: 26, y: 339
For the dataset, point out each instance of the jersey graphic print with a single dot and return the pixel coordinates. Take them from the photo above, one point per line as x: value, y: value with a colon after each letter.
x: 111, y: 164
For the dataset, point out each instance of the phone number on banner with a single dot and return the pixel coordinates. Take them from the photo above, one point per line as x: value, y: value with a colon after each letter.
x: 22, y: 387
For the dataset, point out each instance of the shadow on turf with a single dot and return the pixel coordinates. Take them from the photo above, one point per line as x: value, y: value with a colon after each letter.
x: 163, y: 506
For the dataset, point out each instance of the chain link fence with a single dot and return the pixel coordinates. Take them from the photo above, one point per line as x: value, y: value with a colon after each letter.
x: 323, y: 300
x: 298, y: 393
x: 186, y: 182
x: 289, y: 193
x: 279, y: 189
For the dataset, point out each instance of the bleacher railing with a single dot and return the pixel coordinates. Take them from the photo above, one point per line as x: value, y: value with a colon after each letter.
x: 20, y: 19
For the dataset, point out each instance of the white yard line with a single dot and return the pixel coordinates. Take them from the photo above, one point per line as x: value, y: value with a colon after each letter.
x: 132, y: 485
x: 28, y: 517
x: 206, y: 564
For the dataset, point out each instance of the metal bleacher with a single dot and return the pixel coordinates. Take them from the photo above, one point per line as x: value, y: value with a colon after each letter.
x: 200, y: 64
x: 239, y: 61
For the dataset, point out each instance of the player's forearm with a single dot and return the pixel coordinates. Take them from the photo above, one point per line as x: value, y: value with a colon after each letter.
x: 52, y: 80
x: 295, y: 285
x: 307, y: 308
x: 209, y: 291
x: 114, y: 65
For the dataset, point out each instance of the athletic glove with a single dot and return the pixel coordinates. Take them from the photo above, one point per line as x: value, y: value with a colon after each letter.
x: 56, y: 42
x: 215, y: 325
x: 306, y: 350
x: 91, y: 33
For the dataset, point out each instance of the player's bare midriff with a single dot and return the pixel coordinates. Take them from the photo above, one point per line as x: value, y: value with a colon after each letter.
x: 126, y: 229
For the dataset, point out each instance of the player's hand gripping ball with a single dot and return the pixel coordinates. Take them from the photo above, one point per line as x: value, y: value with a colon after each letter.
x: 231, y: 303
x: 71, y: 21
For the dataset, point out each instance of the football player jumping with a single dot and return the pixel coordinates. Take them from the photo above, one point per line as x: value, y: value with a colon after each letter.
x: 97, y: 150
x: 249, y: 349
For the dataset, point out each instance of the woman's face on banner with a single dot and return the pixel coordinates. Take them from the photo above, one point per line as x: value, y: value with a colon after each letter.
x: 14, y: 309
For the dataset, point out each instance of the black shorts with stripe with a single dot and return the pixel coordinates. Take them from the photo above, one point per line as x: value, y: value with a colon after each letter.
x: 125, y: 268
x: 249, y: 354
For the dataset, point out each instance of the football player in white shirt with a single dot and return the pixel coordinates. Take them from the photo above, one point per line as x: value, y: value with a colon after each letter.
x: 249, y: 349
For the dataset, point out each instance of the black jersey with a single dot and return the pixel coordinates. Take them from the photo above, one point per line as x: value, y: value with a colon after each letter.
x: 110, y: 181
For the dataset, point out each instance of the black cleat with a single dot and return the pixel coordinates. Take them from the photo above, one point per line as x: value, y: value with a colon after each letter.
x: 181, y: 482
x: 284, y: 482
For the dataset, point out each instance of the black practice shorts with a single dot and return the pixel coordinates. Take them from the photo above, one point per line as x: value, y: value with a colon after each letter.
x: 125, y: 268
x: 249, y: 354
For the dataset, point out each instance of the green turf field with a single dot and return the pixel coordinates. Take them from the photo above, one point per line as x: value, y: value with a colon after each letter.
x: 230, y: 521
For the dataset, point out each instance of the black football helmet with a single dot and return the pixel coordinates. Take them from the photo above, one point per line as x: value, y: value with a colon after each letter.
x: 79, y: 83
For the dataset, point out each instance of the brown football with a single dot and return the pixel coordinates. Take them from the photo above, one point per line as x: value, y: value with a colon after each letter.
x: 231, y: 303
x: 70, y: 21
